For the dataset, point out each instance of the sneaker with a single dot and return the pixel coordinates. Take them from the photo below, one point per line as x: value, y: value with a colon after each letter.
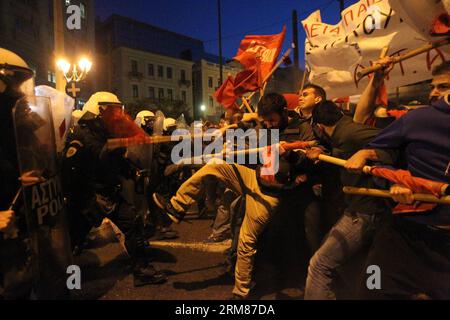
x: 147, y: 275
x: 164, y: 204
x: 165, y: 234
x: 217, y: 239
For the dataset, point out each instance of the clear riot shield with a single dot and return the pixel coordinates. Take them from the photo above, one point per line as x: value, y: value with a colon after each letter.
x: 61, y: 106
x: 42, y: 194
x: 158, y: 127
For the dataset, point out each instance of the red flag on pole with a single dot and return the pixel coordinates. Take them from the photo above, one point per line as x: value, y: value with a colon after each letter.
x: 266, y: 48
x: 248, y: 80
x: 417, y: 185
x: 404, y: 178
x: 119, y: 124
x: 225, y: 94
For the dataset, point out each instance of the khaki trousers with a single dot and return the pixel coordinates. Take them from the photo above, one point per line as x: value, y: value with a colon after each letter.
x: 259, y: 210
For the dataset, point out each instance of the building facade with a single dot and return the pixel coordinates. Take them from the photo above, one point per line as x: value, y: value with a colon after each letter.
x: 206, y: 75
x: 143, y: 77
x: 26, y: 28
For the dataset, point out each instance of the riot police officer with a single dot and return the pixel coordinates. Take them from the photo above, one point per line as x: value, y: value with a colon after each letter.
x: 92, y: 183
x: 15, y: 254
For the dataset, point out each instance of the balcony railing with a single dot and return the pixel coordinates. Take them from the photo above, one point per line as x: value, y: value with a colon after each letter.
x: 136, y: 75
x: 185, y: 83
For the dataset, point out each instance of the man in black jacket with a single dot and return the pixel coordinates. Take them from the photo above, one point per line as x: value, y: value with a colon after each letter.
x: 363, y: 213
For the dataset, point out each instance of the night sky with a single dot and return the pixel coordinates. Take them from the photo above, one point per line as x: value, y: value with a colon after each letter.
x: 198, y: 18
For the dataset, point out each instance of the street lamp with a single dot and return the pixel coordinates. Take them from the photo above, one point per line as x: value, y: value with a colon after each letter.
x: 75, y: 72
x: 203, y: 108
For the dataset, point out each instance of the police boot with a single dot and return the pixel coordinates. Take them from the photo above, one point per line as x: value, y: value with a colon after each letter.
x: 145, y: 274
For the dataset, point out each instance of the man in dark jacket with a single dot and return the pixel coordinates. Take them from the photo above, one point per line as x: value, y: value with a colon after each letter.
x: 362, y: 214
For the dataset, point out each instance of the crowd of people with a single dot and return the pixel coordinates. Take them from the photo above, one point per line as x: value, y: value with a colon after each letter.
x: 142, y: 192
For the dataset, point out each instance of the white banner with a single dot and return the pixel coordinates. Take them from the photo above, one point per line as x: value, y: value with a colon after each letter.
x: 335, y: 53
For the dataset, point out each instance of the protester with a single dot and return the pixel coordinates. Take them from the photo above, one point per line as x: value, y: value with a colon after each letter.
x: 262, y: 196
x: 413, y: 249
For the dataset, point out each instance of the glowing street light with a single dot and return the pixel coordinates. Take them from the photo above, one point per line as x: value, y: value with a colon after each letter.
x: 75, y: 72
x: 203, y: 108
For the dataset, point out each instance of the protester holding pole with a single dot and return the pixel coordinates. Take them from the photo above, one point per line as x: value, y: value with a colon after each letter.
x: 415, y: 244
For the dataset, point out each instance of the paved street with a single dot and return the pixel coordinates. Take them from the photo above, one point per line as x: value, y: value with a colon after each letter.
x: 195, y: 269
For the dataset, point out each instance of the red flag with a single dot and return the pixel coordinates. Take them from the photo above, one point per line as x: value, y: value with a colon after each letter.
x: 119, y: 124
x: 248, y: 80
x: 292, y: 100
x: 397, y: 114
x: 417, y: 185
x: 288, y: 146
x: 382, y: 95
x: 404, y: 178
x: 266, y: 48
x: 225, y: 94
x: 441, y: 25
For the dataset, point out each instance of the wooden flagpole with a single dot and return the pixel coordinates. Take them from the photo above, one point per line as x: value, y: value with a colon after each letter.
x: 386, y: 194
x: 364, y: 72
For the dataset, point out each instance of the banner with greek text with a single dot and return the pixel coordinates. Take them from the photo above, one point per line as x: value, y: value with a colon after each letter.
x: 335, y: 53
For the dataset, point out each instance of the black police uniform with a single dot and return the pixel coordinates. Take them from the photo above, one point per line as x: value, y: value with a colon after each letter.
x: 15, y: 254
x: 91, y: 181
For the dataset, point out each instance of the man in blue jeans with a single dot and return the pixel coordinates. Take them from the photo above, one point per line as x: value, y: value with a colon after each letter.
x: 356, y: 227
x: 412, y: 250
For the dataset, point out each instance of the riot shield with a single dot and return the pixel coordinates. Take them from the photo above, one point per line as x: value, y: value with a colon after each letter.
x: 158, y: 127
x: 42, y: 194
x: 61, y: 106
x: 181, y: 123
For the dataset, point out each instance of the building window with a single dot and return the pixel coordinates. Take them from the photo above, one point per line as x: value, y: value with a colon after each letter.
x: 160, y: 72
x: 183, y: 75
x: 83, y: 11
x: 135, y: 91
x: 151, y: 70
x: 170, y: 94
x: 151, y: 92
x: 134, y: 66
x: 183, y: 96
x: 169, y: 73
x: 211, y: 102
x: 210, y: 82
x: 51, y: 77
x: 161, y: 93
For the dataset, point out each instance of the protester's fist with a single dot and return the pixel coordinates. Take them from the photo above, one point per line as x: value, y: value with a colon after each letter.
x: 387, y: 63
x: 301, y: 179
x: 313, y: 154
x: 6, y: 220
x: 248, y: 117
x: 401, y: 194
x: 357, y: 162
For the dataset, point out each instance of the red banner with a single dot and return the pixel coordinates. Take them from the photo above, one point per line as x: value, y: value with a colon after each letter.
x: 266, y: 48
x: 225, y: 94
